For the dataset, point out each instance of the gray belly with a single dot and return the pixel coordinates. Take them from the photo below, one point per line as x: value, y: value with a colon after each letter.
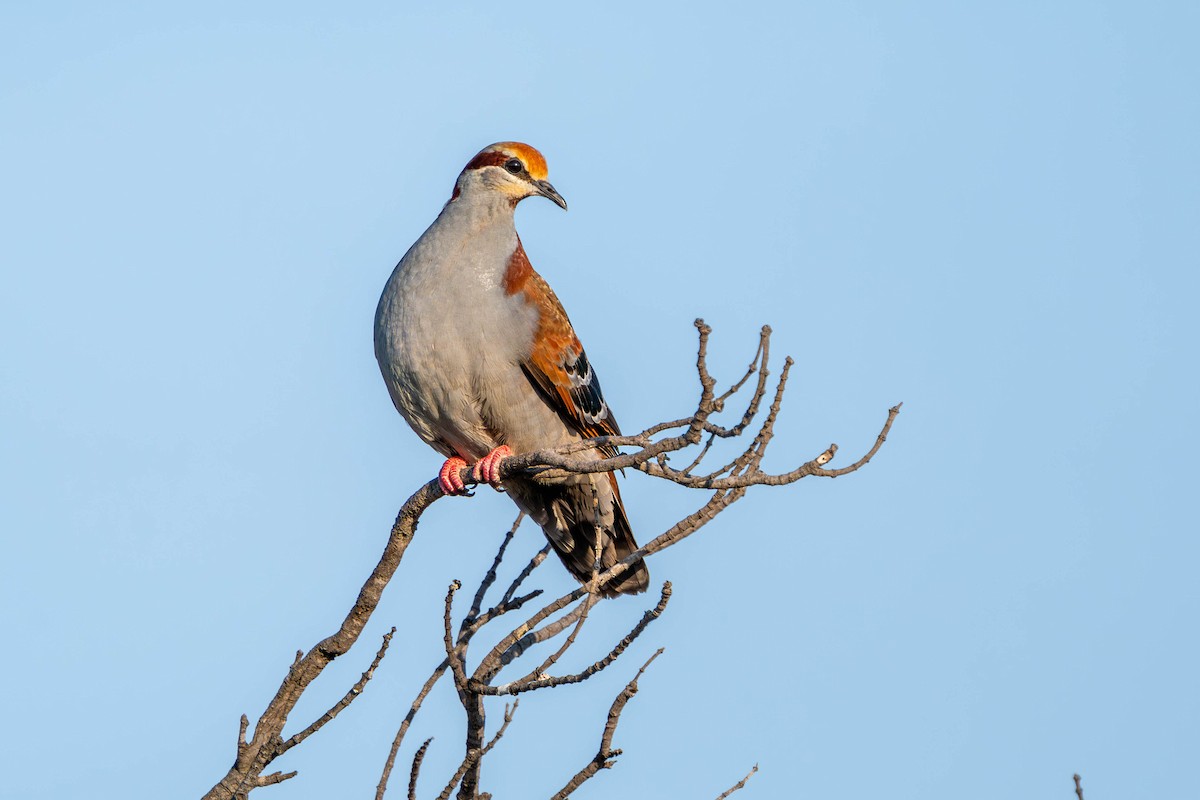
x: 450, y: 353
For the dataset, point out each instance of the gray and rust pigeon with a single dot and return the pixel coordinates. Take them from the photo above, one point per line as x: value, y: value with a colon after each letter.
x: 480, y: 359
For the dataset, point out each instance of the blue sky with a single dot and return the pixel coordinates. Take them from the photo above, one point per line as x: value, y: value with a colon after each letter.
x: 987, y: 213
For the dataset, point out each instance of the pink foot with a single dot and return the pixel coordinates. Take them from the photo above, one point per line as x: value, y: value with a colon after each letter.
x: 487, y: 469
x: 448, y: 476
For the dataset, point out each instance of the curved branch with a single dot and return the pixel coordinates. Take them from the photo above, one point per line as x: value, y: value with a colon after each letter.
x: 346, y: 700
x: 606, y: 756
x: 650, y: 453
x: 266, y: 744
x: 740, y: 784
x: 415, y: 772
x: 529, y: 685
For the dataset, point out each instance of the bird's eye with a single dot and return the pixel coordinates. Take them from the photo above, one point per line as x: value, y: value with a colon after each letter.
x: 514, y: 166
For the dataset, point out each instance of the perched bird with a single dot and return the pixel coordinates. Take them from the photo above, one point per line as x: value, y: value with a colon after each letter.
x: 480, y: 359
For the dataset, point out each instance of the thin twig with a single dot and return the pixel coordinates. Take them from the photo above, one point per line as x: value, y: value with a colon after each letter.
x: 553, y: 658
x: 544, y: 633
x: 274, y: 778
x: 416, y: 768
x: 475, y: 755
x: 508, y: 717
x: 533, y: 564
x: 381, y: 787
x: 346, y: 700
x: 517, y: 687
x: 498, y: 611
x: 605, y: 756
x: 491, y: 663
x: 464, y: 637
x: 456, y: 663
x: 490, y: 577
x: 263, y: 747
x: 737, y: 785
x: 469, y: 761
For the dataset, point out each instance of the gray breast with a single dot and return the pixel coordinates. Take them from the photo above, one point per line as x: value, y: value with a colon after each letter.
x: 449, y: 341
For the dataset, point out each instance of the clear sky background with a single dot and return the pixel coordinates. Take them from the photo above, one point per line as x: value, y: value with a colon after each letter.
x: 987, y: 212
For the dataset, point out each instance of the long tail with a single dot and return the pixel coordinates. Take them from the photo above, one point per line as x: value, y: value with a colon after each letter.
x: 574, y: 515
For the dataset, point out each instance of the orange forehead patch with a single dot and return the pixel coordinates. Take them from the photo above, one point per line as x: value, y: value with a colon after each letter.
x: 534, y: 161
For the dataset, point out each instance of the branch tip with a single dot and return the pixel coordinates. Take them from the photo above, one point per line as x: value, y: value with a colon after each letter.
x: 274, y: 778
x: 739, y: 784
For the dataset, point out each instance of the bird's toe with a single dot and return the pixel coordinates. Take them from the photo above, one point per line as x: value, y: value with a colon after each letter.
x: 448, y: 477
x: 487, y: 469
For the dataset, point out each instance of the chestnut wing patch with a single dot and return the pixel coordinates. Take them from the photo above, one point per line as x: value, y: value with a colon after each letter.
x: 560, y: 370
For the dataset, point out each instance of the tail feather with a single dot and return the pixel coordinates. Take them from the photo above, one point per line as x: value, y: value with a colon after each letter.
x: 576, y: 517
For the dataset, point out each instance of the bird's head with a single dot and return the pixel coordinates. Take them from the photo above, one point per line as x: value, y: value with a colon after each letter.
x: 510, y: 169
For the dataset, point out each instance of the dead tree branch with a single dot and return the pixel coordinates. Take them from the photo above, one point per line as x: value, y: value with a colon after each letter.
x: 532, y: 682
x: 650, y: 452
x: 606, y: 756
x: 467, y: 630
x: 739, y: 785
x: 416, y: 768
x: 267, y: 743
x: 346, y: 700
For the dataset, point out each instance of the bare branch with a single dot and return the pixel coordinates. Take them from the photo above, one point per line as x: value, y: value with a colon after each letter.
x: 1078, y: 786
x: 651, y: 458
x: 533, y: 564
x: 605, y: 755
x: 467, y: 629
x: 648, y: 451
x: 408, y: 718
x: 708, y: 443
x: 879, y: 440
x: 499, y: 611
x: 552, y: 659
x: 418, y: 757
x: 516, y: 687
x: 737, y: 785
x: 491, y: 663
x: 346, y: 700
x: 472, y: 703
x: 508, y: 717
x: 757, y: 364
x: 752, y: 454
x: 475, y: 755
x: 264, y: 745
x: 546, y: 632
x: 456, y: 662
x: 243, y: 725
x: 490, y: 577
x: 470, y: 761
x: 274, y: 778
x: 501, y: 653
x: 756, y: 478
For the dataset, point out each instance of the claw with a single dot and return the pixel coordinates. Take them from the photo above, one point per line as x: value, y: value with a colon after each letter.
x: 448, y: 477
x: 487, y: 469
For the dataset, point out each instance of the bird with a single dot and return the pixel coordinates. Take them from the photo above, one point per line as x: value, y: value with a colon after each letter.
x: 480, y: 359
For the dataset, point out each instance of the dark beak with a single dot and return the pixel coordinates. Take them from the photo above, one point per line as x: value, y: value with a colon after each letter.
x: 549, y: 192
